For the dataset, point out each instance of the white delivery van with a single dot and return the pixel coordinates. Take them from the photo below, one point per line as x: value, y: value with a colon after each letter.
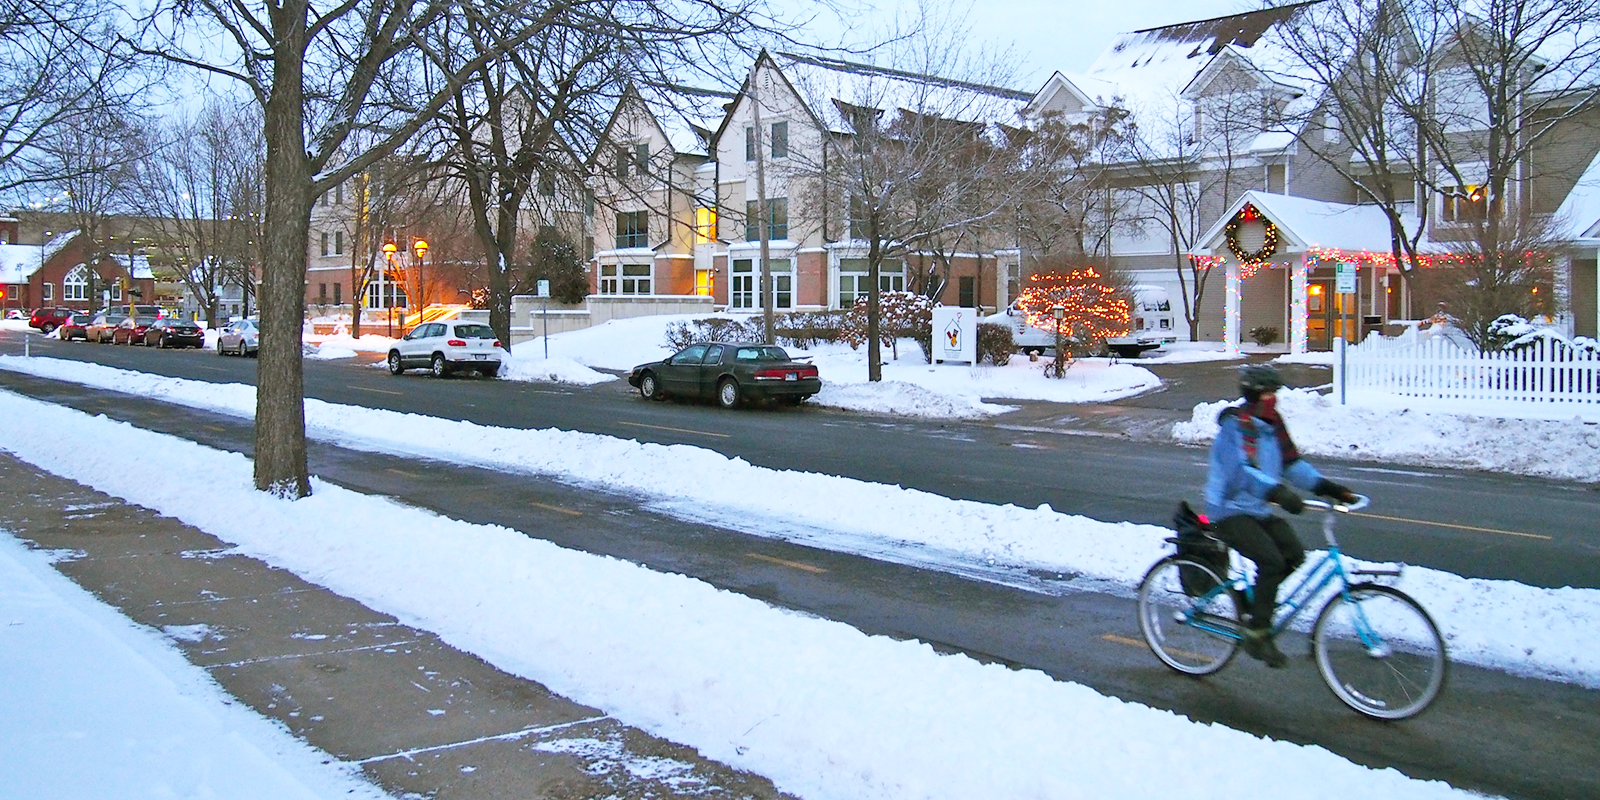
x: 1153, y: 326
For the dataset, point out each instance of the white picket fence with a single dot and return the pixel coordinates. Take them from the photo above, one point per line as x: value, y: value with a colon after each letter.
x: 1545, y: 371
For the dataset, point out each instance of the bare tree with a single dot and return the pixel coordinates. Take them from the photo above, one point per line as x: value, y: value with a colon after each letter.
x: 322, y: 74
x: 193, y: 185
x: 93, y: 164
x: 1073, y: 214
x: 60, y: 70
x: 932, y: 154
x: 1181, y: 171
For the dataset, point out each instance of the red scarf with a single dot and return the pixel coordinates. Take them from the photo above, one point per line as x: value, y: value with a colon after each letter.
x: 1266, y: 410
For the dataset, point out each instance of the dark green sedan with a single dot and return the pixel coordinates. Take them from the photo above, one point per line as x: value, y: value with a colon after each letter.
x: 732, y: 373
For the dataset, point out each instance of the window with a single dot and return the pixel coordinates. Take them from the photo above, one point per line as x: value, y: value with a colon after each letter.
x: 782, y: 283
x: 714, y: 354
x: 625, y: 279
x: 749, y: 143
x: 76, y: 285
x: 322, y: 293
x: 858, y: 218
x: 48, y: 292
x: 968, y: 291
x: 338, y: 194
x: 338, y: 243
x: 780, y: 139
x: 623, y: 160
x: 853, y: 283
x: 547, y: 184
x: 691, y: 355
x: 705, y: 225
x: 633, y: 229
x: 777, y: 219
x: 704, y: 282
x: 338, y: 289
x: 116, y: 291
x: 588, y: 202
x: 1277, y: 178
x: 325, y: 250
x: 743, y: 290
x: 641, y: 158
x: 1464, y: 204
x: 386, y: 295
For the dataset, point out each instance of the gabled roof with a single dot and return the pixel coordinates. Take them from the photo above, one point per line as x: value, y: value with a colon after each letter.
x: 1151, y: 68
x: 1580, y: 211
x: 822, y: 82
x: 141, y: 265
x: 1304, y: 223
x: 1092, y: 93
x: 18, y: 262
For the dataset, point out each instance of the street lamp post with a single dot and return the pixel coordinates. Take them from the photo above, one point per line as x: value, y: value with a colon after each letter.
x: 389, y: 250
x: 420, y: 247
x: 1059, y: 367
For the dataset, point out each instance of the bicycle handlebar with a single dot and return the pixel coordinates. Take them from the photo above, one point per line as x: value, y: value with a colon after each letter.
x: 1362, y: 501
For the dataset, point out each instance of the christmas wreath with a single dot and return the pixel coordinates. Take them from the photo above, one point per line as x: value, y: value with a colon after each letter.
x: 1269, y: 243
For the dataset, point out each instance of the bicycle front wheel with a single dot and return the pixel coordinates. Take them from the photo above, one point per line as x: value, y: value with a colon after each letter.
x: 1379, y: 652
x: 1189, y: 616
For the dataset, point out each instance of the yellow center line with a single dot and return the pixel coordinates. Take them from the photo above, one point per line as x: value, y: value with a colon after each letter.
x: 1140, y: 643
x: 787, y: 563
x: 675, y: 430
x: 558, y: 509
x: 403, y: 472
x: 1128, y: 640
x: 217, y: 428
x: 380, y: 391
x: 1451, y: 525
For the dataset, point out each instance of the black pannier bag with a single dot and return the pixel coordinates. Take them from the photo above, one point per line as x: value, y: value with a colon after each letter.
x: 1194, y: 544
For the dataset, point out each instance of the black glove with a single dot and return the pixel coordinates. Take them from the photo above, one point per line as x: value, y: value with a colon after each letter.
x: 1337, y: 491
x: 1286, y: 498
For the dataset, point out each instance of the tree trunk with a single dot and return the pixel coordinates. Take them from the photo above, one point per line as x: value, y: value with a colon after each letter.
x: 280, y: 446
x: 874, y: 262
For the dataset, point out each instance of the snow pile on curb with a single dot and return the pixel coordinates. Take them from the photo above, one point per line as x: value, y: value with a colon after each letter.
x: 822, y: 709
x: 1564, y: 449
x: 1544, y: 632
x: 903, y: 399
x: 523, y: 365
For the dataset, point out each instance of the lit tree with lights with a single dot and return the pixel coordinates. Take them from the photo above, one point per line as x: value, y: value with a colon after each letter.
x: 1093, y: 308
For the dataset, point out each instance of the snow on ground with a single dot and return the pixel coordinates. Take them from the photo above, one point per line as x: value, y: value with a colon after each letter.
x: 910, y: 387
x: 1500, y: 624
x: 1189, y: 353
x: 97, y: 706
x: 1316, y: 358
x: 345, y: 343
x: 20, y: 325
x: 1566, y: 449
x: 529, y: 364
x: 822, y: 709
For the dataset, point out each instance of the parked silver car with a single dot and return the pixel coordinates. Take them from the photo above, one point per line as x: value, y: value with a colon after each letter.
x: 241, y: 338
x: 445, y: 347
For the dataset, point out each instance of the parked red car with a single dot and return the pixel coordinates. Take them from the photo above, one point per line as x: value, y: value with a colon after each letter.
x: 76, y: 327
x: 131, y: 330
x: 169, y: 332
x: 48, y: 319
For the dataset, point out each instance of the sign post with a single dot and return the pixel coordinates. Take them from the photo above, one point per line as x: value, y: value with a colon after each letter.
x: 544, y: 303
x: 1345, y: 278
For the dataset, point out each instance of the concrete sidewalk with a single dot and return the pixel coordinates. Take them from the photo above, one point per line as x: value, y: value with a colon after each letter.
x: 419, y: 717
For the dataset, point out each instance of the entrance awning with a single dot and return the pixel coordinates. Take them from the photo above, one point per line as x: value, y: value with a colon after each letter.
x: 1305, y: 224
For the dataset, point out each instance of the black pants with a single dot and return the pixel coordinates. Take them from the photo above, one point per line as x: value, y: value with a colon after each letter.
x: 1270, y: 543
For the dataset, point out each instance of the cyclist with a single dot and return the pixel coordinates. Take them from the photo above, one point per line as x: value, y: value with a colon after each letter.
x: 1253, y: 463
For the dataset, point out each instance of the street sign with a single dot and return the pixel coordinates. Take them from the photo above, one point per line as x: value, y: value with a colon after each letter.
x: 1346, y: 274
x: 544, y: 289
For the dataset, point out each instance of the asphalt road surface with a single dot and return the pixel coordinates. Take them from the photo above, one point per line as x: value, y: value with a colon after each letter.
x: 1488, y: 731
x: 1108, y: 462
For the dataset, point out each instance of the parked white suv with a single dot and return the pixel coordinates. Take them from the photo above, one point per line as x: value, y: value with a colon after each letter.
x: 445, y: 347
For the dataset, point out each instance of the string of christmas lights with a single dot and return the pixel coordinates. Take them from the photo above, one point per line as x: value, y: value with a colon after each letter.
x: 1269, y: 244
x: 1091, y: 306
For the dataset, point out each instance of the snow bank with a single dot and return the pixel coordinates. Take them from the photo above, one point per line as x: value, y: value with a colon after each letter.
x: 1543, y: 632
x: 822, y: 709
x: 1565, y: 449
x: 529, y: 364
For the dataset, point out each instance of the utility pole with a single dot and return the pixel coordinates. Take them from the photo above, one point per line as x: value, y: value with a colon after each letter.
x: 765, y: 230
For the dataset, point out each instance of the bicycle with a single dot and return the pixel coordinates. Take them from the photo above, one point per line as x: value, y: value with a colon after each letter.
x: 1377, y: 649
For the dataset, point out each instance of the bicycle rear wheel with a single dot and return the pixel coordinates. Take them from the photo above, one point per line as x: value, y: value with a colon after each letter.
x: 1188, y: 616
x: 1379, y: 652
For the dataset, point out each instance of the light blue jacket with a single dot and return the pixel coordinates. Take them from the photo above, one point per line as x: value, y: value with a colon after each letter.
x: 1234, y: 486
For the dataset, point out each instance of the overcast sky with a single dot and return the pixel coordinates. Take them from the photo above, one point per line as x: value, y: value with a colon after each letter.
x: 1049, y: 35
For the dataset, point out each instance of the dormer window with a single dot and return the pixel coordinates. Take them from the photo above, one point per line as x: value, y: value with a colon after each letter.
x: 1464, y: 204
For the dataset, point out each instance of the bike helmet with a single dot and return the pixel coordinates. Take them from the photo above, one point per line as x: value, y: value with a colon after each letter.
x: 1258, y: 379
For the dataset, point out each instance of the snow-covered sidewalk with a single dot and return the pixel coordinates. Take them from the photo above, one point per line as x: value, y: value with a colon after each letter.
x: 822, y: 709
x: 1500, y: 624
x: 92, y: 705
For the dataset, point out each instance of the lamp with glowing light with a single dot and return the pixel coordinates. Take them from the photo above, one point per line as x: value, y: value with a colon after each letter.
x: 420, y: 248
x: 389, y: 250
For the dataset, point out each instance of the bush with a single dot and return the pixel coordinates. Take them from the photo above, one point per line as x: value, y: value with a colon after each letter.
x: 995, y: 343
x: 1264, y: 335
x: 807, y: 329
x: 901, y: 315
x: 800, y: 330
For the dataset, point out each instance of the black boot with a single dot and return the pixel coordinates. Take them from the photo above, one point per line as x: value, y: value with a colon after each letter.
x: 1258, y: 645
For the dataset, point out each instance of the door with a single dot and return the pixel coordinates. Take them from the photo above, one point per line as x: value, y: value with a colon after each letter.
x: 1319, y: 315
x: 681, y: 374
x: 706, y: 377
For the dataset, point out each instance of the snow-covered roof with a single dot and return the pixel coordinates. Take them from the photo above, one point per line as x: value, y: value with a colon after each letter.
x: 1154, y: 69
x: 1304, y: 223
x: 141, y: 265
x: 18, y: 262
x: 1580, y: 211
x: 825, y: 83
